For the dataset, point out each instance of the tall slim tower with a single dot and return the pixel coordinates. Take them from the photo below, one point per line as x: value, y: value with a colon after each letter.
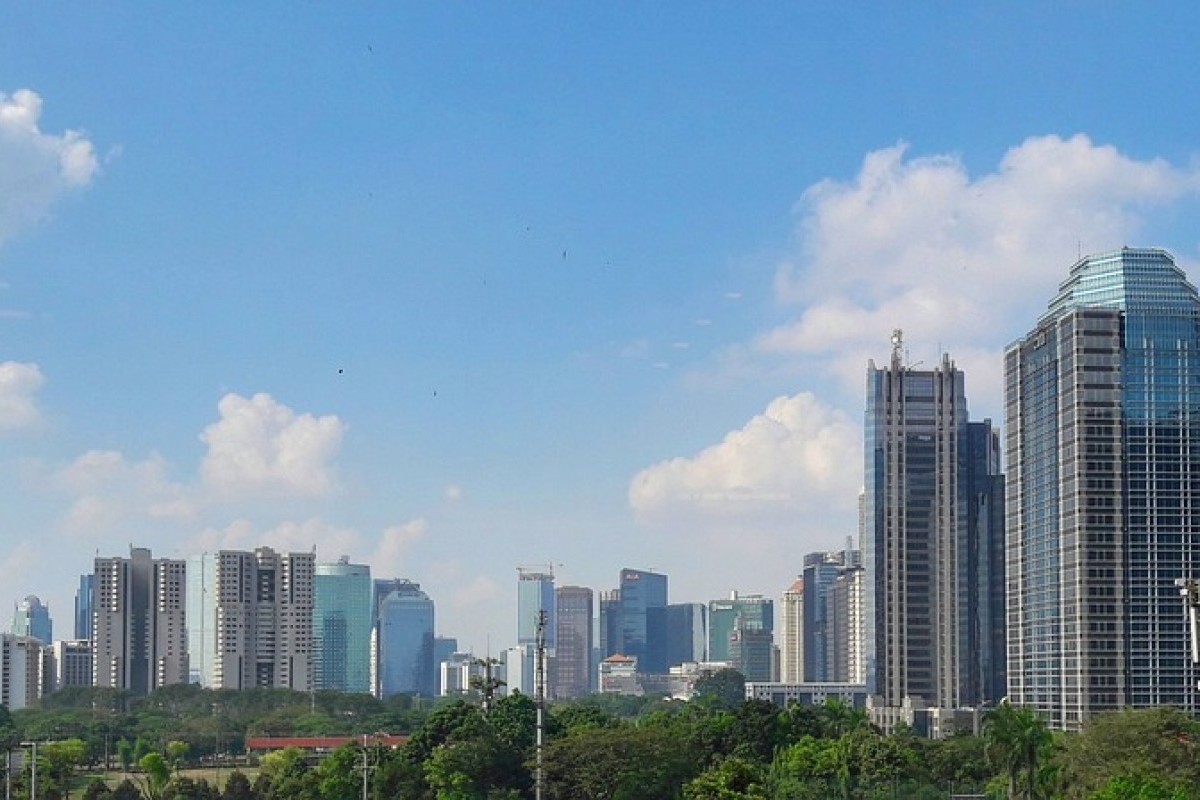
x: 923, y: 582
x: 83, y: 606
x: 1102, y: 429
x: 32, y: 618
x: 573, y: 643
x: 139, y: 623
x: 643, y: 628
x: 342, y: 626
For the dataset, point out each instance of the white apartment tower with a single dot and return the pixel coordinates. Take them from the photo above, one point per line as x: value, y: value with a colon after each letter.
x: 255, y: 611
x: 139, y: 625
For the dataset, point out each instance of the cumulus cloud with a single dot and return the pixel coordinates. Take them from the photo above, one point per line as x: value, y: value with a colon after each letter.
x: 918, y: 243
x: 261, y: 447
x: 111, y: 493
x: 19, y: 385
x: 36, y: 167
x: 797, y: 454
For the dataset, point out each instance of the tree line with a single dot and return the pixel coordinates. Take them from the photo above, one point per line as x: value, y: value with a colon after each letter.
x: 716, y: 746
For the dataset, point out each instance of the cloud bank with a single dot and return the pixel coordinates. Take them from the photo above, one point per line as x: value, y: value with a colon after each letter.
x: 19, y: 385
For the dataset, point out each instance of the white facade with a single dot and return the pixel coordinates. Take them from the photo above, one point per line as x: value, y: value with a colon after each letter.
x: 21, y: 670
x: 139, y: 623
x: 791, y: 633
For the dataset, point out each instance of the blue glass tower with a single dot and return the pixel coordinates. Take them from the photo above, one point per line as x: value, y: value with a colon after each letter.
x: 1102, y: 418
x: 404, y: 639
x: 342, y: 626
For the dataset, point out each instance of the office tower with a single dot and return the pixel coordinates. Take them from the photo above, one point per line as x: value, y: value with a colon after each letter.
x: 535, y: 594
x: 924, y: 538
x: 751, y: 651
x: 139, y: 624
x: 609, y: 623
x: 1103, y: 465
x: 443, y: 648
x: 573, y: 643
x: 22, y: 674
x: 342, y: 626
x: 845, y: 648
x: 791, y: 633
x: 71, y: 662
x: 403, y: 640
x: 252, y: 615
x: 687, y: 633
x: 754, y: 609
x: 31, y: 618
x: 83, y: 606
x: 820, y: 630
x: 456, y: 672
x: 643, y: 632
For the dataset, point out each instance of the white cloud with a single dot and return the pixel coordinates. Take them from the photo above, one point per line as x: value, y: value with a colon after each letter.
x: 261, y: 447
x: 113, y: 493
x: 797, y: 454
x: 36, y: 168
x: 394, y: 543
x: 453, y: 493
x: 961, y: 262
x: 329, y: 540
x: 19, y: 385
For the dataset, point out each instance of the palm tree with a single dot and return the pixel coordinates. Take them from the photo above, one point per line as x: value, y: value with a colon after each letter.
x: 1015, y: 738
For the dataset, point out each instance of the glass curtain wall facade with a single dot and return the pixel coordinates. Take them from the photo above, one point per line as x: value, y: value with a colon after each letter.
x: 342, y: 626
x: 404, y: 639
x: 1102, y: 407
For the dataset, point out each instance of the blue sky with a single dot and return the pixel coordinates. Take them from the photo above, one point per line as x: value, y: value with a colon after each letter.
x: 452, y: 289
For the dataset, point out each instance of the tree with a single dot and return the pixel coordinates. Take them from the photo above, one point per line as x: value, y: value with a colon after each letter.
x: 97, y: 790
x: 1140, y: 787
x: 618, y: 764
x: 1016, y: 740
x: 733, y: 779
x: 158, y: 774
x: 1158, y: 742
x: 238, y: 787
x: 127, y: 790
x: 725, y: 688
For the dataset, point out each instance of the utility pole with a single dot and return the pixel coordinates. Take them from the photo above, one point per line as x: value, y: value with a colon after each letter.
x: 365, y: 767
x: 1189, y: 589
x: 539, y: 692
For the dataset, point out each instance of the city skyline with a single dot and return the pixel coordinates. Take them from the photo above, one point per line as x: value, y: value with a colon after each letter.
x: 449, y: 293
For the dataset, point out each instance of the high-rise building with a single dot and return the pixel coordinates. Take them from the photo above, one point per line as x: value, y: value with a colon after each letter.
x: 847, y: 644
x: 342, y: 626
x: 252, y: 616
x: 32, y: 618
x: 751, y: 651
x: 821, y: 571
x: 573, y: 643
x: 71, y: 662
x: 403, y: 640
x: 753, y: 609
x: 687, y: 633
x: 139, y: 623
x: 535, y: 594
x: 22, y: 670
x: 929, y: 525
x: 643, y: 632
x: 1103, y: 464
x: 791, y: 633
x: 83, y: 606
x: 609, y: 623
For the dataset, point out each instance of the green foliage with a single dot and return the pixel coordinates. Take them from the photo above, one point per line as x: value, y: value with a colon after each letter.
x: 724, y: 689
x: 127, y: 790
x: 1140, y: 787
x: 1158, y: 742
x: 238, y: 787
x: 570, y: 717
x: 97, y: 790
x: 157, y: 772
x: 1017, y: 743
x: 635, y: 763
x: 732, y: 779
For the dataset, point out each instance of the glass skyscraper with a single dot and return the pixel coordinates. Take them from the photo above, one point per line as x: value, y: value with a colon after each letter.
x: 1102, y: 418
x: 342, y: 626
x: 404, y: 639
x: 933, y: 529
x: 32, y: 618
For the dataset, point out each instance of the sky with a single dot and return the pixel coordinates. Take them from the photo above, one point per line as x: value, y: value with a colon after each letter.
x: 452, y: 289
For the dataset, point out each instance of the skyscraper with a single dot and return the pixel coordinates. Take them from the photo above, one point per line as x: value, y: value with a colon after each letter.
x: 535, y: 594
x: 342, y: 626
x: 32, y: 618
x: 723, y: 615
x: 687, y: 633
x: 139, y: 631
x: 252, y: 616
x: 83, y: 606
x: 403, y: 640
x: 643, y: 634
x: 573, y: 643
x: 791, y: 633
x: 924, y: 584
x: 1102, y: 429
